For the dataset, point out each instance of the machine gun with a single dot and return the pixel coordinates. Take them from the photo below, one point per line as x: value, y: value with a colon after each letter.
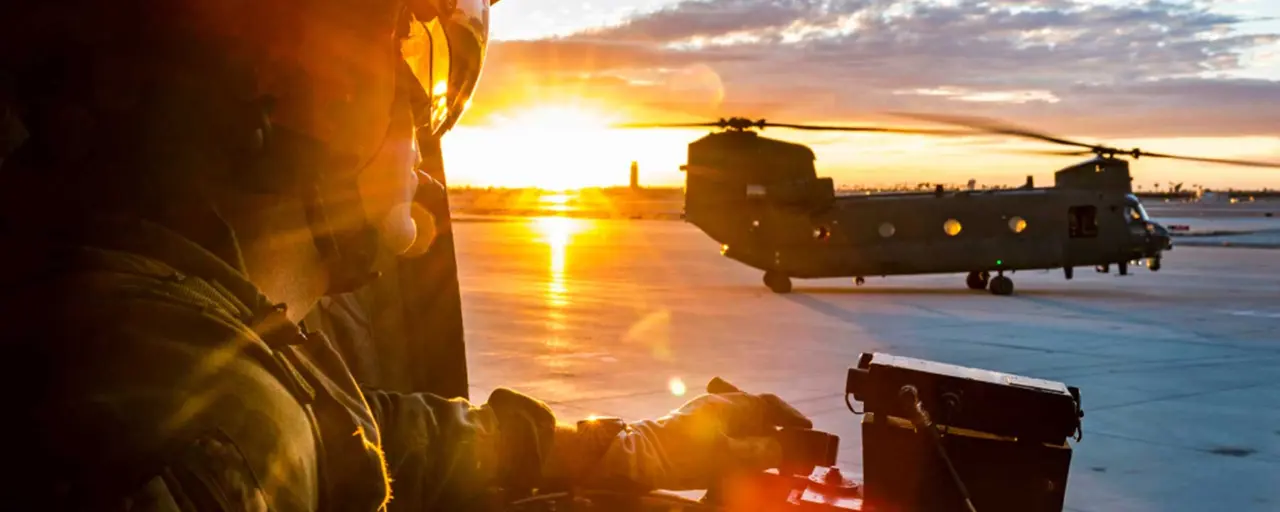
x: 937, y: 438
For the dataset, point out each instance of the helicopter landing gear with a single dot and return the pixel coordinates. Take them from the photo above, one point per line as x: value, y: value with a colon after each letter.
x: 859, y: 281
x: 977, y: 280
x: 1123, y: 268
x: 1154, y: 264
x: 1068, y: 272
x: 777, y: 281
x: 1001, y: 285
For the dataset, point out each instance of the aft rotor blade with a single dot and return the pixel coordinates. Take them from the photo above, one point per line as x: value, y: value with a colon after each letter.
x: 1050, y: 152
x: 993, y: 126
x: 869, y: 129
x: 668, y: 125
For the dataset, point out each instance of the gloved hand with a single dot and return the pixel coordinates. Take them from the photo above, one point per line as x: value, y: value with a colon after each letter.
x: 687, y: 449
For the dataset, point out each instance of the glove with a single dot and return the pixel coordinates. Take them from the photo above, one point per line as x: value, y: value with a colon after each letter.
x: 689, y: 448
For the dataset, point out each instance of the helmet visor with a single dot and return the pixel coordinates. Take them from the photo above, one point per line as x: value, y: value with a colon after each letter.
x: 445, y: 48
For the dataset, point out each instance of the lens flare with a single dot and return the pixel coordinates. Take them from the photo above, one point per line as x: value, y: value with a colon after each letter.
x: 677, y: 386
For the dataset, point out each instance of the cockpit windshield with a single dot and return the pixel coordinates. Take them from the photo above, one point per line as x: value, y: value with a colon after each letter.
x: 1134, y: 210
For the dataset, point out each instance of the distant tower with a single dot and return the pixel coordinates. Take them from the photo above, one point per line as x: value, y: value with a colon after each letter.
x: 973, y: 184
x: 635, y: 176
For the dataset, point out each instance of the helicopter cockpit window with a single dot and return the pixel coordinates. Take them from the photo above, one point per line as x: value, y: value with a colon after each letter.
x: 1134, y: 210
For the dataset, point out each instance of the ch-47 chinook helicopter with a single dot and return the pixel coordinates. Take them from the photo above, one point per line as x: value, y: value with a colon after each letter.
x: 762, y: 199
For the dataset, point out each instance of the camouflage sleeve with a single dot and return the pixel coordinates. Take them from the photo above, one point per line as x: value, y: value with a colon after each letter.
x: 447, y: 454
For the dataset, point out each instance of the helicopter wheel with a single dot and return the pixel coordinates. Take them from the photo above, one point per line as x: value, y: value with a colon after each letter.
x: 1123, y: 268
x: 977, y: 280
x: 1154, y: 264
x: 1069, y: 272
x: 1103, y: 268
x: 859, y: 281
x: 1001, y: 285
x: 777, y: 281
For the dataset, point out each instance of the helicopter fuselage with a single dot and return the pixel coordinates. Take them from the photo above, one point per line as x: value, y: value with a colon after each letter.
x: 924, y: 233
x: 762, y: 200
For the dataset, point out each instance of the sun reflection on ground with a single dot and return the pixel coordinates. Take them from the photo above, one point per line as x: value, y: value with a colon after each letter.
x: 557, y: 233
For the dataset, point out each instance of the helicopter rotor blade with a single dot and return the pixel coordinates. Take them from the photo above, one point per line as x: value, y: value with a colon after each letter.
x: 1226, y: 161
x: 667, y: 125
x: 1051, y: 152
x: 1140, y: 154
x: 995, y: 127
x: 998, y: 127
x: 740, y: 123
x: 868, y: 129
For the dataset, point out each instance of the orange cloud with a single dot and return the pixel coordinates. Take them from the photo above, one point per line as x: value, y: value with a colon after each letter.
x: 1150, y: 69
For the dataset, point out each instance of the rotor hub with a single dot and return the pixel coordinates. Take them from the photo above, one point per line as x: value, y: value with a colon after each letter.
x: 739, y: 124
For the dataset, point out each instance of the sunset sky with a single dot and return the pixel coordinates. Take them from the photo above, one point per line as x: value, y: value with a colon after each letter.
x: 1200, y: 78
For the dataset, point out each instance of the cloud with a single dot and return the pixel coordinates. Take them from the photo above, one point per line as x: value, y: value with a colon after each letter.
x: 688, y: 19
x: 1149, y: 68
x: 993, y: 96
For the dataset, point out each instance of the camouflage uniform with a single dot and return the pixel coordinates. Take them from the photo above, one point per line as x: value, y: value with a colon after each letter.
x: 160, y: 379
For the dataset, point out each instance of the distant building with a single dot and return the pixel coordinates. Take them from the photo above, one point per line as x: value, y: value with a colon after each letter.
x: 1214, y: 197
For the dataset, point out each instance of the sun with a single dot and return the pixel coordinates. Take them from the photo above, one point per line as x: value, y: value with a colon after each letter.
x: 555, y: 118
x: 570, y: 145
x: 558, y: 147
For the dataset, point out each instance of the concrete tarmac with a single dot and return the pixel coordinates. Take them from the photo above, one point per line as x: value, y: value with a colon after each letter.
x: 1179, y: 370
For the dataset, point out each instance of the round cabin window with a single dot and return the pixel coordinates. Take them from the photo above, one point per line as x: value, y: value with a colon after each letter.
x: 887, y: 230
x: 951, y: 227
x: 1017, y: 224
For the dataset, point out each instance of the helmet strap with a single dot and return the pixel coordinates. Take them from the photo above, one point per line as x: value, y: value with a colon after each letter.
x: 349, y: 255
x: 291, y: 162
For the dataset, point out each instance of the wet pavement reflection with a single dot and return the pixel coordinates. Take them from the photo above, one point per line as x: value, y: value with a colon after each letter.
x: 1179, y: 369
x: 557, y: 233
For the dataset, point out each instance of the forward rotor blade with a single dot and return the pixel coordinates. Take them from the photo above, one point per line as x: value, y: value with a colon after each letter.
x: 1140, y: 154
x: 998, y: 127
x: 993, y: 126
x: 1227, y: 161
x: 869, y: 129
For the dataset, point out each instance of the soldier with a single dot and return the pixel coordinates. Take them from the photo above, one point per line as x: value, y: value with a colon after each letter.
x: 194, y: 175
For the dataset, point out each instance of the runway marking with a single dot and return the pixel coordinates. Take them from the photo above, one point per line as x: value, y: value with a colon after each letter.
x: 1250, y: 312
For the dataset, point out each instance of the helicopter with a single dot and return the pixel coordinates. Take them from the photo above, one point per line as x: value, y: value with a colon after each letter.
x: 762, y: 200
